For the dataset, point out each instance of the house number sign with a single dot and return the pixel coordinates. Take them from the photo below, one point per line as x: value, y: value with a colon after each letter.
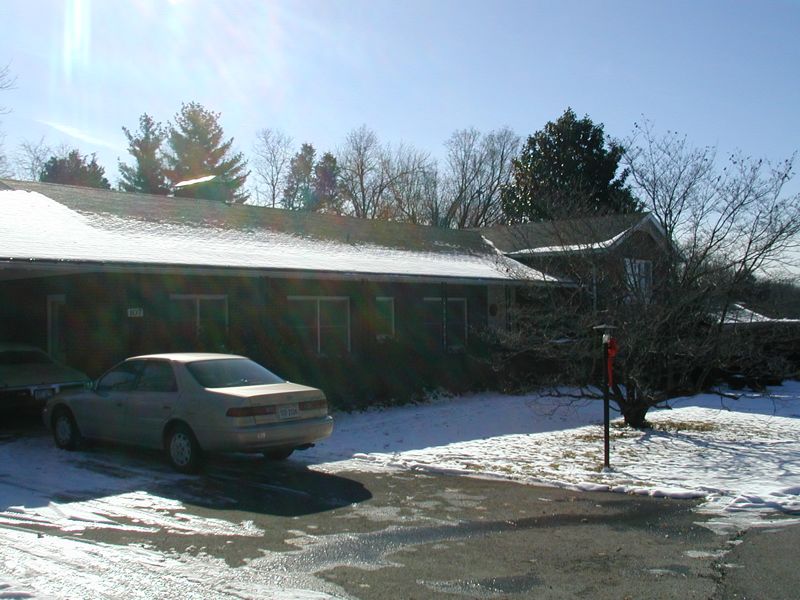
x: 135, y: 313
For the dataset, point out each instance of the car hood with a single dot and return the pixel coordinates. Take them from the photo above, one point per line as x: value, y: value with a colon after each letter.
x: 19, y: 376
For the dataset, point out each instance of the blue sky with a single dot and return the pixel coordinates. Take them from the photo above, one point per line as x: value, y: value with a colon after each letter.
x: 725, y: 73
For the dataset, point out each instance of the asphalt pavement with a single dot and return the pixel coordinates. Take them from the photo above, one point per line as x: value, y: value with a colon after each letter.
x: 415, y: 535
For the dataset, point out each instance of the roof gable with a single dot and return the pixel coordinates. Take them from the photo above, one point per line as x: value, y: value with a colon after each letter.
x: 589, y: 234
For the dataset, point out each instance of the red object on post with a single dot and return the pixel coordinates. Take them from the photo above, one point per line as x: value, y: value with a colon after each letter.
x: 611, y: 352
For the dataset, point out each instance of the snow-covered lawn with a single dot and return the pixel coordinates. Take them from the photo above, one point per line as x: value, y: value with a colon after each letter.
x: 742, y: 457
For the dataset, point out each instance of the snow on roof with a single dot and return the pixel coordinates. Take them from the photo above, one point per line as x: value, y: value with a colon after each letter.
x: 740, y: 315
x: 585, y: 234
x: 189, y: 182
x: 35, y: 227
x: 604, y: 245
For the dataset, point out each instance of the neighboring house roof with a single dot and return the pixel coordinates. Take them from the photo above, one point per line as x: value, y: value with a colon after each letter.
x: 52, y: 224
x: 738, y: 314
x: 591, y: 234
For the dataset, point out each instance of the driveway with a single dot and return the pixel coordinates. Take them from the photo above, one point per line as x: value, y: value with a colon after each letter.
x: 382, y: 508
x: 118, y: 523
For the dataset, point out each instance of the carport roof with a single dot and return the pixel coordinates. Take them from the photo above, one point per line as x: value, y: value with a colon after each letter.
x: 45, y: 224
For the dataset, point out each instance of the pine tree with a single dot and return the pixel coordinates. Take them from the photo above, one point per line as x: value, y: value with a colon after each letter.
x: 567, y: 170
x: 148, y: 175
x: 298, y: 193
x: 326, y: 193
x: 197, y: 150
x: 73, y: 169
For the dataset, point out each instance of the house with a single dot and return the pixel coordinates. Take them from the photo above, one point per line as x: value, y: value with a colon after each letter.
x: 360, y: 308
x: 613, y: 257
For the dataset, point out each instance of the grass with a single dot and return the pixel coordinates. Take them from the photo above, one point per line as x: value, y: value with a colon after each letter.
x: 677, y: 426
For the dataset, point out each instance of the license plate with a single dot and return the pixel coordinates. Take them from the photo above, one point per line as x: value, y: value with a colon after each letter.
x: 288, y: 412
x: 42, y: 394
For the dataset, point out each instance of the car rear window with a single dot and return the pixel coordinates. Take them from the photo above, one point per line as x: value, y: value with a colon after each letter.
x: 231, y: 372
x: 24, y: 357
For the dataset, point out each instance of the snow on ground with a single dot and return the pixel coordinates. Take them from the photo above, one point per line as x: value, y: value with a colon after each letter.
x: 64, y: 567
x: 73, y: 492
x: 742, y: 457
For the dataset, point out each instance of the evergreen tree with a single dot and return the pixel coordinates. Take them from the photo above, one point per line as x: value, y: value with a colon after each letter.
x: 326, y: 194
x: 567, y: 170
x: 197, y: 149
x: 299, y: 191
x: 148, y: 175
x: 73, y: 169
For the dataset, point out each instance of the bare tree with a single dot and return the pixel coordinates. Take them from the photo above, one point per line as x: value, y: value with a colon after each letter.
x: 5, y: 168
x: 371, y: 175
x: 477, y: 167
x: 364, y: 179
x: 6, y: 83
x: 676, y: 320
x: 412, y: 191
x: 273, y: 155
x: 30, y: 159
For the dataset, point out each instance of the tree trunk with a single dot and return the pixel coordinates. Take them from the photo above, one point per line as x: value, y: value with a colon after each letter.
x: 633, y: 407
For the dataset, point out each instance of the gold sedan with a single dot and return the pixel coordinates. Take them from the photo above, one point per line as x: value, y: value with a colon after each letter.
x: 192, y: 403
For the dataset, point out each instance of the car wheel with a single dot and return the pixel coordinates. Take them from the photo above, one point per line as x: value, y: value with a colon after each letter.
x: 183, y: 450
x: 278, y: 453
x: 66, y: 434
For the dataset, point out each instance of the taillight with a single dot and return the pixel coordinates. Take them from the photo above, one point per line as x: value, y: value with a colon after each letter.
x: 313, y: 405
x: 251, y: 411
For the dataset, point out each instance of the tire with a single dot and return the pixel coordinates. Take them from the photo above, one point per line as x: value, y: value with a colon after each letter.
x: 66, y: 434
x: 278, y: 453
x: 183, y: 451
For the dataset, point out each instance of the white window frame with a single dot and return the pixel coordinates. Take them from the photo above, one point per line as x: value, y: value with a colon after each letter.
x: 389, y: 299
x: 461, y: 300
x: 197, y: 298
x: 317, y: 300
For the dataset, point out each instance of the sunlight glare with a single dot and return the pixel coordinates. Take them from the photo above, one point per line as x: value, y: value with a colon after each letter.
x: 77, y: 36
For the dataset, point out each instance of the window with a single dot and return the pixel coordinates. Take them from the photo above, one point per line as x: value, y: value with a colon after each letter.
x: 322, y: 323
x: 201, y: 319
x: 446, y: 322
x: 639, y: 277
x: 231, y: 372
x: 157, y: 376
x: 456, y: 325
x: 432, y: 321
x: 384, y: 319
x: 121, y: 378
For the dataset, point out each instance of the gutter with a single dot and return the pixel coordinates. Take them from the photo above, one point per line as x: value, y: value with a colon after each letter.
x: 47, y: 268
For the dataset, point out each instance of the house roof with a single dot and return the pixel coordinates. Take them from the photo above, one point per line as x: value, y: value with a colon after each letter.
x: 46, y: 224
x: 569, y: 235
x: 739, y: 314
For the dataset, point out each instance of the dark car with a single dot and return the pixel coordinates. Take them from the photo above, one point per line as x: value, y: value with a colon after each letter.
x: 29, y: 377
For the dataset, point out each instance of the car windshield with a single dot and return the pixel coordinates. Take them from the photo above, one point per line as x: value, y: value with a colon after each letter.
x: 24, y: 357
x: 231, y: 372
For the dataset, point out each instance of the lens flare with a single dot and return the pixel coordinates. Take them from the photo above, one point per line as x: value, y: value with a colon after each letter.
x: 77, y: 36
